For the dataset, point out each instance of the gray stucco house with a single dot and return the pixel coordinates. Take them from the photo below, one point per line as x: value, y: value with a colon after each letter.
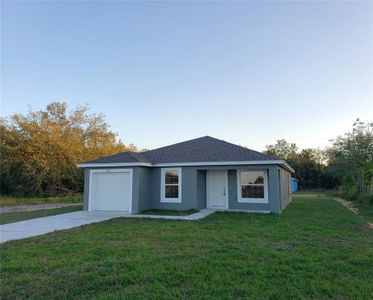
x: 195, y: 174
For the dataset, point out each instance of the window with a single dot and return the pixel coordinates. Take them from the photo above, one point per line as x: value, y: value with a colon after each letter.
x: 171, y: 185
x: 252, y: 186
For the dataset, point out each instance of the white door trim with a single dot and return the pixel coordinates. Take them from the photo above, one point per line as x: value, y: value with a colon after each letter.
x: 91, y: 194
x: 226, y: 188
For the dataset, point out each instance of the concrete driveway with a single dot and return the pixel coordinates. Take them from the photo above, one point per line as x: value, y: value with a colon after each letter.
x: 39, y: 226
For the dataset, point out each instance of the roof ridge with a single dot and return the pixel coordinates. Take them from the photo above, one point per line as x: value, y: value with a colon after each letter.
x: 242, y: 147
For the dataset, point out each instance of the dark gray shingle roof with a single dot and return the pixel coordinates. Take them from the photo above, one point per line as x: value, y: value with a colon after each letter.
x: 123, y: 157
x: 204, y: 149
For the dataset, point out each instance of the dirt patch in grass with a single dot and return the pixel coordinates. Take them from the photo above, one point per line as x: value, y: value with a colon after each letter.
x: 283, y: 246
x: 19, y: 208
x: 12, y: 217
x: 13, y: 201
x: 348, y: 204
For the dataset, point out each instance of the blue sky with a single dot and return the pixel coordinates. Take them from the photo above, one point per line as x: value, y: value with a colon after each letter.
x: 163, y: 72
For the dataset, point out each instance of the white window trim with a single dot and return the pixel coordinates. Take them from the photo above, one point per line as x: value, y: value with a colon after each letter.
x: 163, y: 186
x: 252, y: 200
x: 91, y: 194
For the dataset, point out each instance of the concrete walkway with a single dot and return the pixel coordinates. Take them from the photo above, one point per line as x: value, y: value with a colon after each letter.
x: 39, y: 226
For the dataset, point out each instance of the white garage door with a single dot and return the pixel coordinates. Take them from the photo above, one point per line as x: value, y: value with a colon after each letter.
x: 111, y: 190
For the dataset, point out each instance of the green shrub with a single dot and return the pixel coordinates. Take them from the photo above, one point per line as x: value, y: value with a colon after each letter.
x: 358, y: 197
x: 364, y: 198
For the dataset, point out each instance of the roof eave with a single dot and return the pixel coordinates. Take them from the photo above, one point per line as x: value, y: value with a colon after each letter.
x: 282, y: 163
x: 286, y: 166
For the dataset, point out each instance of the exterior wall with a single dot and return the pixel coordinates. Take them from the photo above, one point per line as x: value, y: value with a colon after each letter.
x: 194, y: 189
x: 146, y: 188
x: 284, y: 187
x: 142, y: 201
x: 86, y: 188
x: 189, y: 190
x: 274, y: 201
x: 272, y: 204
x: 201, y: 189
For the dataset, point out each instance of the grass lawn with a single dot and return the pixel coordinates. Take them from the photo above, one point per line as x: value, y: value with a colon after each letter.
x: 169, y: 212
x: 316, y: 249
x: 26, y: 215
x: 12, y: 201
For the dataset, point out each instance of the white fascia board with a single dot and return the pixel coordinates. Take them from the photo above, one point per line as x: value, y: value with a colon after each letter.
x: 280, y: 162
x: 222, y: 163
x: 287, y: 167
x: 187, y: 164
x: 109, y: 165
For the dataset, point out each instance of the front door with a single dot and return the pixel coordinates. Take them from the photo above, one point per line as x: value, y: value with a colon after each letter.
x: 217, y: 189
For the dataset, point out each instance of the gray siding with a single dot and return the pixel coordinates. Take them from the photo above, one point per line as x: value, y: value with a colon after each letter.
x: 284, y: 187
x: 194, y: 189
x: 143, y: 200
x: 86, y: 188
x: 189, y: 190
x: 147, y: 186
x: 233, y: 196
x: 201, y: 189
x: 273, y: 193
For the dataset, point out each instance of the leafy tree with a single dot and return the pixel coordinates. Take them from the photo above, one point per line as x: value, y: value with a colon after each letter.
x: 282, y: 149
x: 348, y: 162
x: 40, y: 150
x: 309, y: 164
x: 351, y: 157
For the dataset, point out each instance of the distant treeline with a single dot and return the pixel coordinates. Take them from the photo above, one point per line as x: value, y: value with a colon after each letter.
x: 40, y: 149
x: 347, y: 165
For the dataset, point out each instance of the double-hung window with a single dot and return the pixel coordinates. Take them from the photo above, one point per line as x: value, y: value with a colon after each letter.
x: 171, y: 185
x: 252, y: 186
